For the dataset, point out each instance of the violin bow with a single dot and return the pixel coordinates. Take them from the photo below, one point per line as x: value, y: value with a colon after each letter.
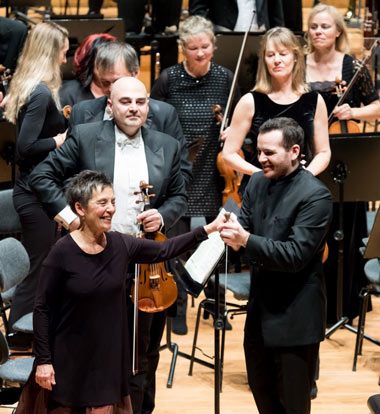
x: 144, y: 201
x: 354, y: 79
x: 236, y: 74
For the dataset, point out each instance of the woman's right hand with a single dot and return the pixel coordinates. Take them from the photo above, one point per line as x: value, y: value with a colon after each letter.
x: 60, y: 138
x: 45, y: 376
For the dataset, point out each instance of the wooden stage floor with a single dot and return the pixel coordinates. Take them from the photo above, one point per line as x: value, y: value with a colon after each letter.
x: 341, y: 391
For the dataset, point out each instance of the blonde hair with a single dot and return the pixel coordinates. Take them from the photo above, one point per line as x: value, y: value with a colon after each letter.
x: 286, y: 38
x: 38, y: 62
x: 193, y: 26
x: 341, y: 43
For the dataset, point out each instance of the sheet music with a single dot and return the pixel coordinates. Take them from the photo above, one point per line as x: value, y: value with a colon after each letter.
x: 203, y: 261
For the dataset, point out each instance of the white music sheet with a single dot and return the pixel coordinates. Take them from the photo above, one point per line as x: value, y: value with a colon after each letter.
x: 203, y: 261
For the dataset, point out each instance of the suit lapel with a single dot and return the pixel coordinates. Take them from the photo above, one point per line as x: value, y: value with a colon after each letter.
x: 96, y: 113
x: 105, y: 149
x: 155, y: 159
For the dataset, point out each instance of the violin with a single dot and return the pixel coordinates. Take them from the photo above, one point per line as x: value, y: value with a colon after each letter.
x: 156, y: 287
x: 337, y: 128
x: 342, y: 126
x: 232, y: 178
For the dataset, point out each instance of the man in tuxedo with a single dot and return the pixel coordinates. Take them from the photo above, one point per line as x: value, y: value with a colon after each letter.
x: 128, y: 152
x: 282, y: 225
x: 113, y: 61
x: 235, y: 15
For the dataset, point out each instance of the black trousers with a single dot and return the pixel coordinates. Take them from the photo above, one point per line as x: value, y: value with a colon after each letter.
x: 280, y: 378
x: 38, y: 236
x: 165, y: 13
x: 150, y: 330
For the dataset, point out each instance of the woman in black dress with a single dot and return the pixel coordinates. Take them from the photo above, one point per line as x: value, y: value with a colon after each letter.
x: 280, y: 90
x: 327, y: 60
x: 33, y: 104
x: 193, y: 87
x: 80, y: 314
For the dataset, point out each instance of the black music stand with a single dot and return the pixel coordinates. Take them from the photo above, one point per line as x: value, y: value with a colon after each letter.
x: 354, y: 157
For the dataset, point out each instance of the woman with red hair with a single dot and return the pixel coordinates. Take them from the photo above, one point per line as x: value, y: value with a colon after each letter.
x: 85, y: 85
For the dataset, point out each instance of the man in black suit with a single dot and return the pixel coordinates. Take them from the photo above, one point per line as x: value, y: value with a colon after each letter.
x: 283, y: 224
x: 225, y: 13
x: 112, y: 62
x: 128, y: 152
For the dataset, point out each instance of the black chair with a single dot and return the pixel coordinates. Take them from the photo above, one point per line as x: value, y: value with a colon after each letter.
x: 239, y: 285
x: 372, y: 272
x: 13, y: 373
x: 373, y: 404
x: 14, y: 267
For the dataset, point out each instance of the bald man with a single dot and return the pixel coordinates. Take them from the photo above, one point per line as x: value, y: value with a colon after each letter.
x: 128, y: 152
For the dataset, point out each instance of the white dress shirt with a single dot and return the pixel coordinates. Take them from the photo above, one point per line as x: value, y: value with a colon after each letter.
x: 130, y: 169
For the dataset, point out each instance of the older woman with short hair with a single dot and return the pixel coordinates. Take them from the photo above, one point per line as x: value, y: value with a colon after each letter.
x: 80, y: 314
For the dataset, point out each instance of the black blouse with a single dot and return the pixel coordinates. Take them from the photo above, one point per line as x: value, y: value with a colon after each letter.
x: 362, y: 93
x: 302, y: 111
x: 38, y: 122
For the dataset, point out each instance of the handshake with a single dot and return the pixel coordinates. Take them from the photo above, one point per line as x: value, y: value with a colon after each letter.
x: 231, y: 231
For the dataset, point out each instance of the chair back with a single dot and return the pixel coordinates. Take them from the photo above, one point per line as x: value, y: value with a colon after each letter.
x: 14, y: 263
x: 4, y: 349
x: 9, y: 220
x: 238, y: 283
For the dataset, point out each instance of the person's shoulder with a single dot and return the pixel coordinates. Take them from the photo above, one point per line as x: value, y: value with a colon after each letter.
x: 41, y: 94
x: 220, y: 68
x: 41, y: 88
x: 71, y: 85
x: 156, y: 106
x: 312, y: 186
x: 158, y: 138
x: 61, y: 249
x: 91, y: 103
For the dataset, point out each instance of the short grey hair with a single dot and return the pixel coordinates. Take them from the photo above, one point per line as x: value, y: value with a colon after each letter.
x: 110, y: 53
x: 193, y: 26
x: 82, y: 186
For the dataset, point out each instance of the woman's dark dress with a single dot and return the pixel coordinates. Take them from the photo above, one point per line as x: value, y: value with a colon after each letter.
x: 302, y: 111
x: 354, y: 215
x: 193, y: 99
x: 37, y: 123
x: 80, y: 318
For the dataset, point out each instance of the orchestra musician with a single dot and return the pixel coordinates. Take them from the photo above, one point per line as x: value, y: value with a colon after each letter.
x: 86, y: 84
x: 282, y: 225
x: 193, y: 87
x: 82, y: 289
x: 116, y: 60
x: 327, y: 59
x: 280, y: 90
x: 128, y: 152
x: 33, y: 104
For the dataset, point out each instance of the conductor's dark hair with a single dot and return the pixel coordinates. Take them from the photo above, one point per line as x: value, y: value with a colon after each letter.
x: 83, y: 185
x: 292, y: 133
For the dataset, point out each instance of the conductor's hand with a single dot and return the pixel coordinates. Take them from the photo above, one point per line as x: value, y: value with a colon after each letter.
x: 233, y: 234
x: 151, y: 220
x: 45, y: 376
x: 343, y: 112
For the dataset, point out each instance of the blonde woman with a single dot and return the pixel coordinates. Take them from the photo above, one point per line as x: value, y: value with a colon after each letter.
x: 33, y: 104
x: 328, y: 59
x: 280, y: 90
